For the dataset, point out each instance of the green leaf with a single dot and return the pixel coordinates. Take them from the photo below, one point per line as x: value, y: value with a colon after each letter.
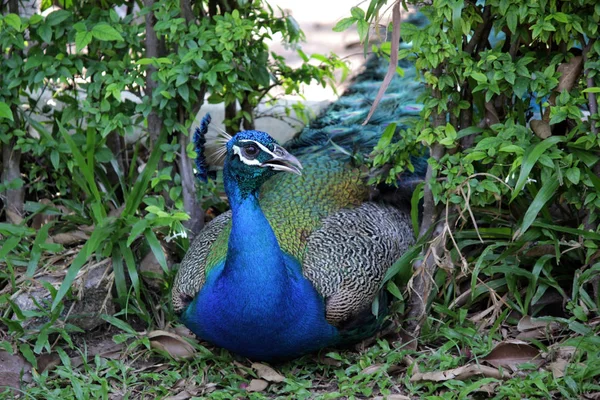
x: 82, y: 39
x: 573, y: 174
x: 386, y: 136
x: 344, y: 24
x: 45, y: 32
x: 134, y: 198
x: 122, y: 325
x: 28, y: 354
x: 357, y: 13
x: 184, y: 92
x: 56, y: 17
x: 36, y: 250
x: 512, y: 19
x: 547, y: 191
x: 14, y: 21
x: 107, y: 33
x: 479, y: 77
x: 82, y: 164
x: 5, y: 111
x: 594, y: 89
x: 157, y: 249
x: 8, y: 246
x: 363, y: 28
x: 393, y: 289
x: 532, y: 154
x: 136, y: 230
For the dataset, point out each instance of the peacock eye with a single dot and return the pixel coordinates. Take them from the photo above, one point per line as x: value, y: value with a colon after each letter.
x: 250, y: 152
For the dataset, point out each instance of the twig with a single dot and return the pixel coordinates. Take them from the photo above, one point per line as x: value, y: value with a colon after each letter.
x: 396, y: 14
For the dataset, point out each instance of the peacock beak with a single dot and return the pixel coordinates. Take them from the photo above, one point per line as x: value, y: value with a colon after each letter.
x: 283, y: 161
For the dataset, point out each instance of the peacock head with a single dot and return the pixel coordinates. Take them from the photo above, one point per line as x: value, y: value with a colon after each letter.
x: 253, y: 157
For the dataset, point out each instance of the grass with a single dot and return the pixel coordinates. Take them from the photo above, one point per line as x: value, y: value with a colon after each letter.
x: 122, y: 362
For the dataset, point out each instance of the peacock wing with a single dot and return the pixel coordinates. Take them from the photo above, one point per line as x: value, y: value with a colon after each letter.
x: 207, y: 249
x: 348, y: 256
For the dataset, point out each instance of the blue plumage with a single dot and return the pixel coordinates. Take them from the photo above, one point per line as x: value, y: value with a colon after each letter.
x: 202, y: 172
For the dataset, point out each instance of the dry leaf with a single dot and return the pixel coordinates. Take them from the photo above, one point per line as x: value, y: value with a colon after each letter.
x: 171, y: 343
x: 534, y: 328
x: 257, y: 385
x: 267, y: 373
x: 69, y: 238
x: 371, y: 369
x: 460, y: 373
x: 511, y: 354
x: 558, y: 368
x: 47, y: 362
x: 392, y: 397
x: 540, y: 128
x: 183, y: 395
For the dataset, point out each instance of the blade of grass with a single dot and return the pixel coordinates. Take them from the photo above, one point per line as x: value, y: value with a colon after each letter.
x: 134, y: 198
x: 117, y: 264
x: 36, y: 249
x: 414, y: 207
x: 82, y: 164
x: 532, y: 154
x: 157, y: 249
x: 546, y: 193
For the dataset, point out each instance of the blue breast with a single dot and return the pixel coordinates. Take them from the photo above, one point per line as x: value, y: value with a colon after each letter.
x: 261, y: 317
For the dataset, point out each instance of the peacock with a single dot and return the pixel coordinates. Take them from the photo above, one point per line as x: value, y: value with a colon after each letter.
x: 298, y: 261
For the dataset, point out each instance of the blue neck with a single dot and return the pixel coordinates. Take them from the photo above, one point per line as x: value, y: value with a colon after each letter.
x: 253, y: 254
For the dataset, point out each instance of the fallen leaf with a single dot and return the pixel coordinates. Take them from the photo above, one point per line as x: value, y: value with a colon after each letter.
x: 489, y: 388
x: 257, y: 385
x: 171, y: 343
x: 47, y: 362
x: 558, y: 368
x: 183, y: 395
x: 267, y: 373
x: 460, y: 373
x: 534, y: 328
x: 371, y: 369
x: 392, y: 397
x: 69, y: 238
x: 511, y: 354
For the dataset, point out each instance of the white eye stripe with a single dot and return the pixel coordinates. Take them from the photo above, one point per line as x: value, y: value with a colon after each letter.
x: 261, y: 146
x: 237, y: 150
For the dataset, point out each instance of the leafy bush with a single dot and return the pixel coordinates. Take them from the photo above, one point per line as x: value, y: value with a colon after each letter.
x: 79, y: 90
x: 511, y: 120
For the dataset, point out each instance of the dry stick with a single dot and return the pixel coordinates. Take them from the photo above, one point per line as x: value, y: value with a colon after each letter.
x: 424, y: 268
x: 190, y: 201
x: 393, y: 60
